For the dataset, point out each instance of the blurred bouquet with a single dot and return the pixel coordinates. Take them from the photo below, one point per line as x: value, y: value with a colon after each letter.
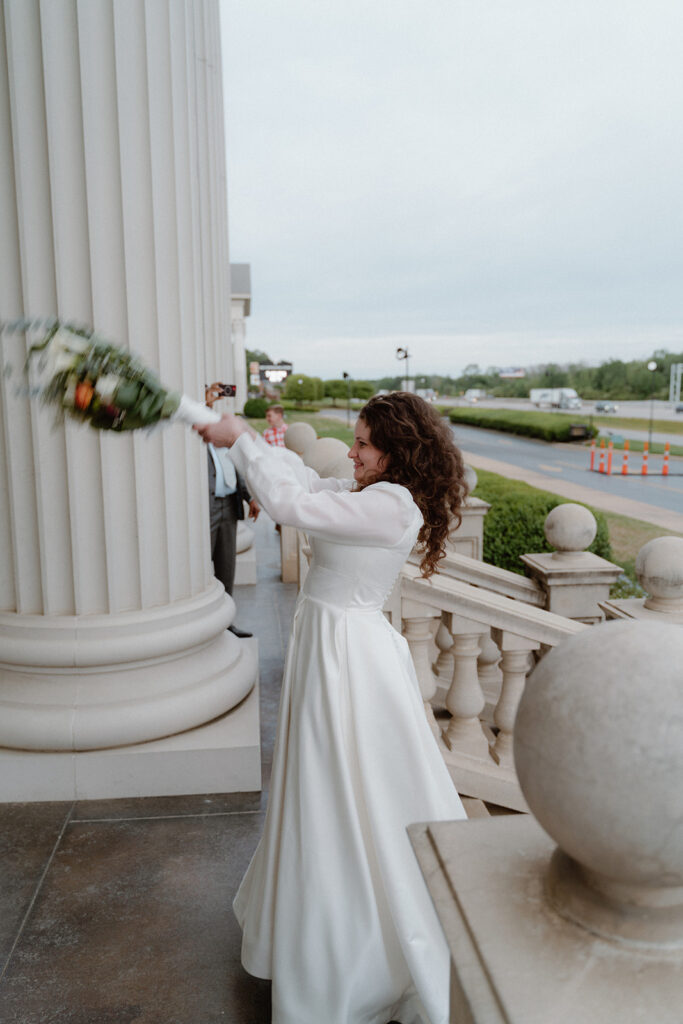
x: 99, y: 383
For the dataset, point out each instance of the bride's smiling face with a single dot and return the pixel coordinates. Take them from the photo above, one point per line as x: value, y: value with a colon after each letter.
x: 368, y: 461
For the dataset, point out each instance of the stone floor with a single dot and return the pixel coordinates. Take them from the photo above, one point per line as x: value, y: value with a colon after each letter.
x: 119, y: 911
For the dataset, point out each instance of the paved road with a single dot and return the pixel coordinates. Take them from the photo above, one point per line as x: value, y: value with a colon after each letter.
x: 564, y: 469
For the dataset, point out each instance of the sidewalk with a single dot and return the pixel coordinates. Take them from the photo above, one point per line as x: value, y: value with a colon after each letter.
x: 119, y: 911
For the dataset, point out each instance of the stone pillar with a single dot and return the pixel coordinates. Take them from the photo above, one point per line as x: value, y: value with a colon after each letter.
x: 419, y: 621
x: 112, y: 201
x: 575, y: 580
x: 468, y: 537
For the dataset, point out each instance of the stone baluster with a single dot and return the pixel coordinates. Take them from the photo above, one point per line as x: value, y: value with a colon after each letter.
x: 490, y: 676
x: 515, y: 663
x: 443, y: 666
x: 418, y: 628
x: 465, y: 700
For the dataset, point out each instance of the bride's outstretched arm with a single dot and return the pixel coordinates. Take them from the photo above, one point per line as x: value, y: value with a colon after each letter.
x: 224, y: 433
x: 376, y: 515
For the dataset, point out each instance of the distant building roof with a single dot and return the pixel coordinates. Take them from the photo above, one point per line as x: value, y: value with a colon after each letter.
x: 240, y: 283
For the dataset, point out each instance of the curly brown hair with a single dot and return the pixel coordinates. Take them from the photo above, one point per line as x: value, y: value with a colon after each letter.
x: 423, y: 458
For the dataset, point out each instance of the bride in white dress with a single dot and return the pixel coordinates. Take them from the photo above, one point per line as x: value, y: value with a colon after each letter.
x: 333, y: 906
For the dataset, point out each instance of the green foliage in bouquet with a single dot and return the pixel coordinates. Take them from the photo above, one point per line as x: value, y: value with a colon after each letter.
x: 97, y: 382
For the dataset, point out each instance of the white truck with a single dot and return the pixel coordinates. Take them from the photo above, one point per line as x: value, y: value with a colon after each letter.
x: 555, y: 398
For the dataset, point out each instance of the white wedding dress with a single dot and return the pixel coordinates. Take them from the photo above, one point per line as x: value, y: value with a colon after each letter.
x: 333, y: 906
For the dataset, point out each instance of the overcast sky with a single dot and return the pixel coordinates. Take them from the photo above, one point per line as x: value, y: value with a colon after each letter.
x: 487, y: 181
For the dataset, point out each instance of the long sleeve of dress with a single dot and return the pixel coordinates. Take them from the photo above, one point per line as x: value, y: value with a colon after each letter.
x: 294, y: 495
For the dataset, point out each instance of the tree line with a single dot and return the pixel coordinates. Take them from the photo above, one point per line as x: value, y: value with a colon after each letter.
x: 614, y: 379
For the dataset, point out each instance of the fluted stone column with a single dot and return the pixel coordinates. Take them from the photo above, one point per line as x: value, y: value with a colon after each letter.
x: 113, y: 206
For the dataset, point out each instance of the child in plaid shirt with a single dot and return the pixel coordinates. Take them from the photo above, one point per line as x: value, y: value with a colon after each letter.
x: 275, y: 431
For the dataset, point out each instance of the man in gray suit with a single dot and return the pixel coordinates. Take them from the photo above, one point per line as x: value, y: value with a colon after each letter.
x: 227, y: 495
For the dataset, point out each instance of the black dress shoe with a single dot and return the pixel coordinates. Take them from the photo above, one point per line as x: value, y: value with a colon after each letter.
x: 239, y: 633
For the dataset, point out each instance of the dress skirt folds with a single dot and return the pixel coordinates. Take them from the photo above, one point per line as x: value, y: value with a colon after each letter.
x: 333, y: 906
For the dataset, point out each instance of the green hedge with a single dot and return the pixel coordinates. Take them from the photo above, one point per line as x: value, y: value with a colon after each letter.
x: 255, y: 408
x: 514, y: 524
x: 549, y: 426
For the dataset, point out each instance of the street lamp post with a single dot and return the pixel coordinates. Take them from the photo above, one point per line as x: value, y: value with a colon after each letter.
x: 347, y: 378
x: 652, y: 366
x: 403, y: 353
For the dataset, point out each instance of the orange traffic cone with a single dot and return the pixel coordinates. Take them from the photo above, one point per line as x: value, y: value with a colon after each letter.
x: 601, y: 467
x: 624, y: 465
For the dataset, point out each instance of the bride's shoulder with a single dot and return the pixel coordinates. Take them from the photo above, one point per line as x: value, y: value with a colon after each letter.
x: 398, y: 492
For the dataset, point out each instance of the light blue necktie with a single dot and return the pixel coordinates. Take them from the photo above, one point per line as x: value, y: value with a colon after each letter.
x: 226, y: 478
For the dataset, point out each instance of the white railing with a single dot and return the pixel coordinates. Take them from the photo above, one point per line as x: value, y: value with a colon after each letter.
x: 479, y: 756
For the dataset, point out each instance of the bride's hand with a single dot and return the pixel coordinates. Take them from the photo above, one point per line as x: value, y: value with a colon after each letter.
x: 224, y: 433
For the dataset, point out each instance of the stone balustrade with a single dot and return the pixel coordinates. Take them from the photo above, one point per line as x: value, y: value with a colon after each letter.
x: 491, y: 577
x: 590, y: 929
x: 479, y: 757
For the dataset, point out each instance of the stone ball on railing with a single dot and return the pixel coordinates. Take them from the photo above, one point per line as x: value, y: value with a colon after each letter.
x: 470, y: 479
x: 598, y: 746
x: 326, y: 453
x: 659, y: 568
x: 340, y: 469
x: 299, y: 437
x: 570, y: 528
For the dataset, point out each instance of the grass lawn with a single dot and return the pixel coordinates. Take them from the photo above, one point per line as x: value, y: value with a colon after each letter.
x: 658, y: 426
x: 627, y: 537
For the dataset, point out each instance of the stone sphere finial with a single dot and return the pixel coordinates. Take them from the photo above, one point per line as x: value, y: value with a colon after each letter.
x: 470, y: 479
x: 659, y: 568
x: 341, y: 468
x: 569, y: 528
x: 598, y: 746
x: 299, y: 437
x: 324, y: 454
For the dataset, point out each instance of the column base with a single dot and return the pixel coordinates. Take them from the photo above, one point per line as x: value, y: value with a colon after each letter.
x: 223, y: 756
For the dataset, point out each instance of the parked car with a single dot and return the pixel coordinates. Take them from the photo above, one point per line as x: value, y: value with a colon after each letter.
x: 606, y: 407
x: 679, y: 407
